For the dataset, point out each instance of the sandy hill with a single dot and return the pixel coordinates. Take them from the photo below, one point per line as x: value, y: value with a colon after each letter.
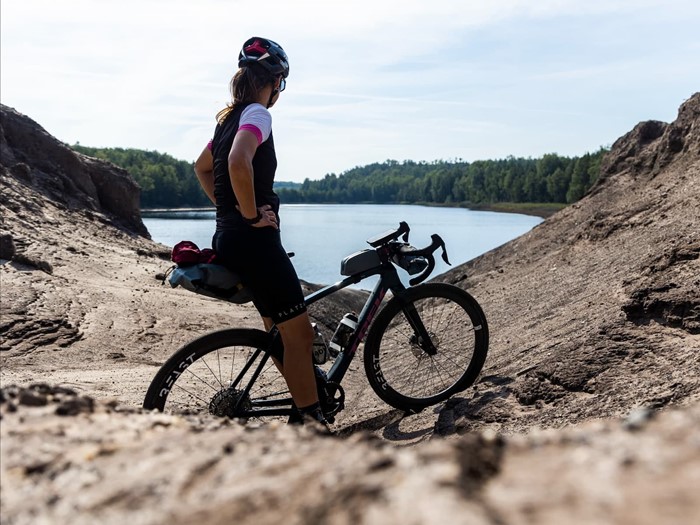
x: 587, y: 410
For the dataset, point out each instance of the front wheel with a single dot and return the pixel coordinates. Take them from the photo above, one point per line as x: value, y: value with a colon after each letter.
x: 226, y: 373
x: 426, y: 344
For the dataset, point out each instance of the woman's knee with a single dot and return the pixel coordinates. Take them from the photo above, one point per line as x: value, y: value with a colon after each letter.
x: 305, y: 335
x: 297, y: 332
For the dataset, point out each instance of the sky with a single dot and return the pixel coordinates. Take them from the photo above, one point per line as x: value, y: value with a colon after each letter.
x: 370, y: 80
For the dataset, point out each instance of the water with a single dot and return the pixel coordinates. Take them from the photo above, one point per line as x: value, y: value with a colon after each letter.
x: 322, y: 235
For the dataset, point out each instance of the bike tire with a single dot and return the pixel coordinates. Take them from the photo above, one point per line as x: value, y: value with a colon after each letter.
x: 198, y: 377
x: 403, y: 374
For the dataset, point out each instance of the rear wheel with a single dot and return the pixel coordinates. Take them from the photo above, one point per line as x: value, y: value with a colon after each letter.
x: 425, y: 345
x: 211, y: 375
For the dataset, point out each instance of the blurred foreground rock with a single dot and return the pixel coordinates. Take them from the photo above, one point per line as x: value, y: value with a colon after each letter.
x: 113, y: 465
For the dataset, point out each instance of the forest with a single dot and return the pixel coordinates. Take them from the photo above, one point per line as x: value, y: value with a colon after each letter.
x: 170, y: 183
x: 165, y: 181
x: 549, y: 179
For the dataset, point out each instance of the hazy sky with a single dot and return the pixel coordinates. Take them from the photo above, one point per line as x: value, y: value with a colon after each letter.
x: 370, y: 80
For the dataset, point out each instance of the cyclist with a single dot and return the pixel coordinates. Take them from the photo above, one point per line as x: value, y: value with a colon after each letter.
x: 237, y: 171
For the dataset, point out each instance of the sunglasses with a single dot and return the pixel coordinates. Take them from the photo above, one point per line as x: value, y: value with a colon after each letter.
x: 283, y: 84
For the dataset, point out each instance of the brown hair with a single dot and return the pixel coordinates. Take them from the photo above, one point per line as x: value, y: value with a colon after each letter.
x: 245, y: 86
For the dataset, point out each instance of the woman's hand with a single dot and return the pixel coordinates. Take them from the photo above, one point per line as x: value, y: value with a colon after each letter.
x: 267, y: 217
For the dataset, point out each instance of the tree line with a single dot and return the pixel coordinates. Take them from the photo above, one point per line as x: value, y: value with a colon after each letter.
x: 165, y: 181
x: 549, y: 179
x: 170, y: 183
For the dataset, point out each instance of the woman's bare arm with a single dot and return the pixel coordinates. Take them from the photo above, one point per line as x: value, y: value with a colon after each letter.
x: 204, y: 169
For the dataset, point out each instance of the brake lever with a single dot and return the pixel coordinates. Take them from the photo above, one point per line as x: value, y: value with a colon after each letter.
x: 404, y: 225
x: 444, y: 254
x: 441, y: 244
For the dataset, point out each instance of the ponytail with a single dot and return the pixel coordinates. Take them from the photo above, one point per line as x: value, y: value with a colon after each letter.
x: 245, y: 86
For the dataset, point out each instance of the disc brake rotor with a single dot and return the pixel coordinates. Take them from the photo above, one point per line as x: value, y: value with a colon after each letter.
x: 417, y: 348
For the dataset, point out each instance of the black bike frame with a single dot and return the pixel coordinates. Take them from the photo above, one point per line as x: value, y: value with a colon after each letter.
x: 388, y: 280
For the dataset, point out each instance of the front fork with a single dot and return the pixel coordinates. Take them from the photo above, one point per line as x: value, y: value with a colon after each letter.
x: 421, y: 336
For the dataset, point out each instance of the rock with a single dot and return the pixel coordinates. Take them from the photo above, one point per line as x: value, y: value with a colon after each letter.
x: 76, y: 405
x: 7, y: 246
x: 33, y: 399
x: 31, y: 155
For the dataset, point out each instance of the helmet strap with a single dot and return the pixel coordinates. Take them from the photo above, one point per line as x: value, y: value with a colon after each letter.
x: 275, y: 90
x: 272, y: 95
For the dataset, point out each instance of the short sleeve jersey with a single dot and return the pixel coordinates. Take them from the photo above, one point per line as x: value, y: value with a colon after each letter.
x: 256, y: 119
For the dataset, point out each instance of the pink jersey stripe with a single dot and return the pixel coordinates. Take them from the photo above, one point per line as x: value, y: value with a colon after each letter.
x: 254, y: 130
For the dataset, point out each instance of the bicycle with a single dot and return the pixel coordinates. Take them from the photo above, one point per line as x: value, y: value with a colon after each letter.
x: 428, y: 342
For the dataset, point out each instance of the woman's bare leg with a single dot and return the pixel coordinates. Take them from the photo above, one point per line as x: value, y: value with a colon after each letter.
x: 297, y: 338
x: 268, y: 326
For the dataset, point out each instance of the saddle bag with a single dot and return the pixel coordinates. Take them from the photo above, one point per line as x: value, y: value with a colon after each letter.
x: 198, y: 272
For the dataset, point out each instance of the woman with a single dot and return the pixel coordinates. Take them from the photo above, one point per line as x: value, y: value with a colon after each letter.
x: 237, y: 171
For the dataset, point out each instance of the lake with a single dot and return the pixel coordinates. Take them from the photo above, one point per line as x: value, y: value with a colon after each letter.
x: 322, y: 235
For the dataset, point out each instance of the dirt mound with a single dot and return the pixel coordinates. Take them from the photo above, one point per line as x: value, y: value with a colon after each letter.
x: 597, y: 309
x: 652, y: 145
x: 69, y: 179
x: 593, y: 314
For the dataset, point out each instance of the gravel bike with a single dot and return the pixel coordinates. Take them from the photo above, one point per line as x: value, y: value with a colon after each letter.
x: 424, y: 344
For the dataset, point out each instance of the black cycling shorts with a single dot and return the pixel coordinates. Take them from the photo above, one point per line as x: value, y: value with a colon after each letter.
x: 257, y: 255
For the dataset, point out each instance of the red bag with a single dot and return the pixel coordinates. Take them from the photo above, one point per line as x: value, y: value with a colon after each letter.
x: 186, y: 252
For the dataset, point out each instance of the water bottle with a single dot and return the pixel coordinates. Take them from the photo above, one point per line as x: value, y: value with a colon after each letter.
x: 319, y: 350
x: 342, y: 334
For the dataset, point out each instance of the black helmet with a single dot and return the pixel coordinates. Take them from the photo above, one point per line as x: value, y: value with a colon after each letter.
x: 265, y: 52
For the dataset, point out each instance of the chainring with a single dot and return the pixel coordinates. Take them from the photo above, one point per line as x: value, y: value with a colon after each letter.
x: 333, y: 400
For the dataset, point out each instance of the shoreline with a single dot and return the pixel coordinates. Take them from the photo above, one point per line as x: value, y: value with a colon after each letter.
x: 536, y: 209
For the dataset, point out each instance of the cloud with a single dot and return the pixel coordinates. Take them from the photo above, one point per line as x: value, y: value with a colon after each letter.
x: 369, y: 80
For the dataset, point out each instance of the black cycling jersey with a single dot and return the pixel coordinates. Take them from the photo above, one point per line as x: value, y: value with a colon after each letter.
x: 264, y: 167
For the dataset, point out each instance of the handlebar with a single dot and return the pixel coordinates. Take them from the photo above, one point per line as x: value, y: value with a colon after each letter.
x: 406, y: 250
x: 427, y: 252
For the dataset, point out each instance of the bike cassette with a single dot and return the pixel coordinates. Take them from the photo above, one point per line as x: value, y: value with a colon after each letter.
x: 224, y: 402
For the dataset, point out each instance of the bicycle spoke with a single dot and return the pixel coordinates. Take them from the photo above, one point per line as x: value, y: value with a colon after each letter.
x: 412, y: 380
x: 433, y: 364
x: 233, y: 362
x: 191, y: 394
x: 200, y: 379
x: 212, y: 372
